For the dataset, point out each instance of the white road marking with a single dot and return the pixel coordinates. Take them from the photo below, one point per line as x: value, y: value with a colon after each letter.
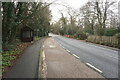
x: 51, y: 46
x: 67, y: 50
x: 93, y: 67
x: 43, y: 46
x: 43, y: 54
x: 75, y: 56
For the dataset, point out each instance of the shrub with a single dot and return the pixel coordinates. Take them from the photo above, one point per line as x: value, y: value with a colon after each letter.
x: 111, y: 31
x: 81, y: 36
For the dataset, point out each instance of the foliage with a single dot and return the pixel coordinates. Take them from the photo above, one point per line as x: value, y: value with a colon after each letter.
x: 111, y: 31
x: 16, y: 16
x: 93, y: 18
x: 9, y: 57
x: 81, y: 35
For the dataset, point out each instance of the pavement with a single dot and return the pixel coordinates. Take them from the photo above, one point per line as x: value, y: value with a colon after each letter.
x: 0, y: 44
x: 103, y: 58
x: 61, y: 64
x: 27, y: 64
x: 0, y: 57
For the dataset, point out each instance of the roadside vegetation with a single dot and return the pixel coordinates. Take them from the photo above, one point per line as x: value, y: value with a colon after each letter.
x: 9, y: 57
x: 95, y: 22
x: 15, y: 16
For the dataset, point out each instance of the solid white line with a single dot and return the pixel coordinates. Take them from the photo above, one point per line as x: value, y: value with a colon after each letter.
x: 93, y: 67
x: 75, y: 56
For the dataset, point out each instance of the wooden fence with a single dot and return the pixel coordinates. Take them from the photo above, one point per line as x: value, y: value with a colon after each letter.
x: 104, y: 40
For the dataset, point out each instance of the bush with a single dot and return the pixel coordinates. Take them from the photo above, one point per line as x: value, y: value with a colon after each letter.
x: 81, y: 36
x: 111, y: 31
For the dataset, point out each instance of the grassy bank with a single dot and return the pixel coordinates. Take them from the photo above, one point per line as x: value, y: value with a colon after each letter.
x: 11, y: 52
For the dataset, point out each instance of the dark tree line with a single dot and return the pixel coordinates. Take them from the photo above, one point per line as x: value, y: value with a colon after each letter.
x: 16, y: 15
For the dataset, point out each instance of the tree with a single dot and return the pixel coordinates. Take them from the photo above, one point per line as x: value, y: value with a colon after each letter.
x: 20, y: 14
x: 102, y: 8
x: 89, y: 18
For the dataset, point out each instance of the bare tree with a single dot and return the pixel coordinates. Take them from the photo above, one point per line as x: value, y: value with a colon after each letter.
x: 101, y: 9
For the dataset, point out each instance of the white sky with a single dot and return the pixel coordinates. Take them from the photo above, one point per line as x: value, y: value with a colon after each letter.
x: 57, y: 9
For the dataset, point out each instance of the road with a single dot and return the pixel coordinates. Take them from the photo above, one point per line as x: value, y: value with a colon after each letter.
x: 60, y: 64
x: 102, y: 58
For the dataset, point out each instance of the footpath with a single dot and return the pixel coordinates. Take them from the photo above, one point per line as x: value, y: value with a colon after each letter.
x: 27, y: 65
x: 61, y: 64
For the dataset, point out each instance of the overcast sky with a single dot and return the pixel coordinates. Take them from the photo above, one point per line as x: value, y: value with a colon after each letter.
x: 57, y: 9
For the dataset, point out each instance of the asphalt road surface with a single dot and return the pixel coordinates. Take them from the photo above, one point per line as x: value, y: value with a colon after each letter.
x: 102, y: 58
x: 27, y: 65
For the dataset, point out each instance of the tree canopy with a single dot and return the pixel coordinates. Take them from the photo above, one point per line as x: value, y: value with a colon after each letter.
x: 35, y: 15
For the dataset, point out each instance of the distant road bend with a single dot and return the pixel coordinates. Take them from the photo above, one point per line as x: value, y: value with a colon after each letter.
x: 103, y: 58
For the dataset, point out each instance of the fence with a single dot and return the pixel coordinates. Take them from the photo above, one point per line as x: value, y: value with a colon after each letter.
x: 104, y: 40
